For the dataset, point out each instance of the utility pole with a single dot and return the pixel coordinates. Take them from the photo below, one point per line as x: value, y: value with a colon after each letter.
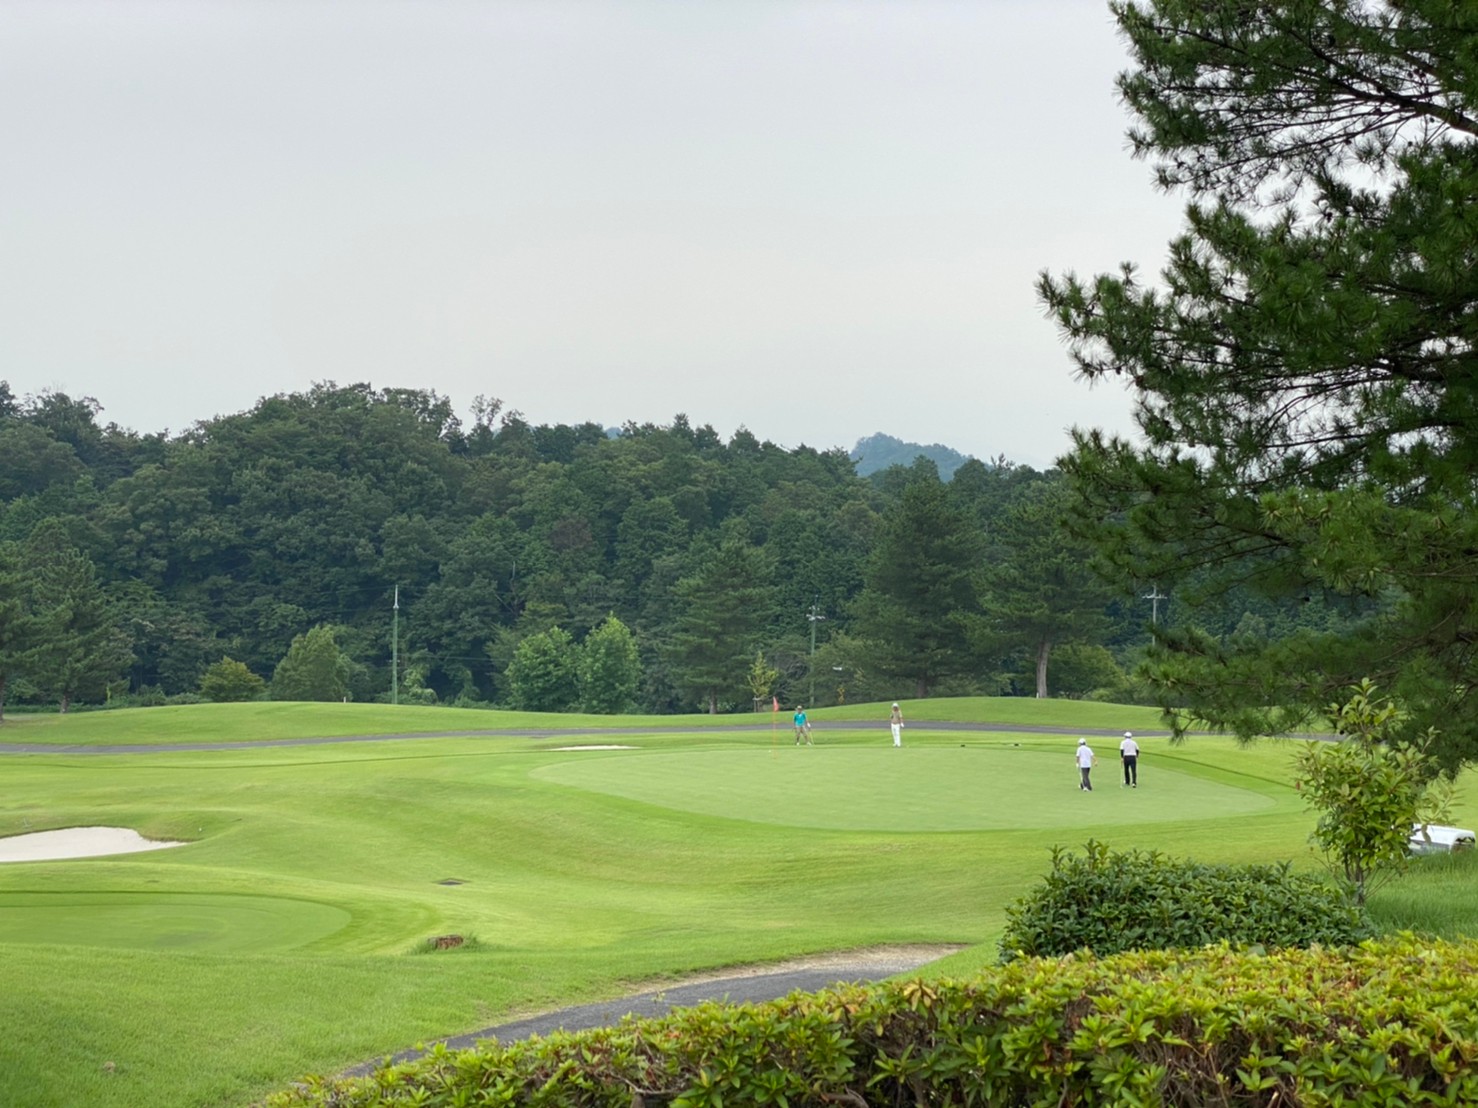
x: 814, y: 615
x: 395, y: 650
x: 1154, y: 596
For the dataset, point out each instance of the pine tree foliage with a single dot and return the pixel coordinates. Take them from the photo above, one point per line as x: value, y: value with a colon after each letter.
x: 919, y: 597
x: 1039, y: 591
x: 1305, y: 368
x: 18, y: 622
x: 77, y: 649
x: 723, y: 609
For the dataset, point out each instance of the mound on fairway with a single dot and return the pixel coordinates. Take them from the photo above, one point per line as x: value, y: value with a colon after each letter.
x: 912, y: 789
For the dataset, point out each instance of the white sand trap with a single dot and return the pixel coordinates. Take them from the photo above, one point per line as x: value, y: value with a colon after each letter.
x: 607, y: 747
x: 76, y: 842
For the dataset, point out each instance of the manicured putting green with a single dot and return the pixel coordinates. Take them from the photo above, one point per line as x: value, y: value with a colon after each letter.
x: 909, y: 789
x: 167, y: 921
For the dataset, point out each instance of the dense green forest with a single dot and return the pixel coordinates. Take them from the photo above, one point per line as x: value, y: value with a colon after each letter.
x: 300, y: 548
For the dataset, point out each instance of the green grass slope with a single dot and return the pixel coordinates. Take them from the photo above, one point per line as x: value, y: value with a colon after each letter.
x: 288, y: 936
x: 258, y: 720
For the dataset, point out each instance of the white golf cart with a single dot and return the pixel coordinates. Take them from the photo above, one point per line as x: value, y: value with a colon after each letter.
x: 1431, y: 838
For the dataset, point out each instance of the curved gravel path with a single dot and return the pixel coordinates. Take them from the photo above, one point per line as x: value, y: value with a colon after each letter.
x: 742, y: 986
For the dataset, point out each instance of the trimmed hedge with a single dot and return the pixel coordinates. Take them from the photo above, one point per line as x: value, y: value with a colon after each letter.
x: 1110, y: 902
x: 1385, y: 1024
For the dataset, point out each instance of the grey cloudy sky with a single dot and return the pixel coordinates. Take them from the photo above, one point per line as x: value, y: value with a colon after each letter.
x: 814, y: 218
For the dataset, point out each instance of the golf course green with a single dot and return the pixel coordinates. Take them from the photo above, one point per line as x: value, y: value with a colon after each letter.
x: 293, y: 932
x: 955, y: 787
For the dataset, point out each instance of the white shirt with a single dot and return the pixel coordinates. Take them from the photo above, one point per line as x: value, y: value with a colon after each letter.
x: 1129, y: 748
x: 1085, y: 757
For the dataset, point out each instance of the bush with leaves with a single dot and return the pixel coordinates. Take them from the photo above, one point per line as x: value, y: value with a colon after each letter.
x: 1387, y: 1024
x: 544, y: 674
x: 761, y: 679
x: 1369, y: 793
x: 230, y: 680
x: 609, y: 669
x: 1108, y: 902
x: 314, y: 668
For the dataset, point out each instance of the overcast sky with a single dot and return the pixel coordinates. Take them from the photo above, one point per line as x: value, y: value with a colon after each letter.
x: 817, y: 219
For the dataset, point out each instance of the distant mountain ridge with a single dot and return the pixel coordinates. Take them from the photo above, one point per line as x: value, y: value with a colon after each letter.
x: 881, y: 451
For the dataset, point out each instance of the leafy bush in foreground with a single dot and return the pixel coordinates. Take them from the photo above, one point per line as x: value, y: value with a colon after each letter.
x: 1109, y: 902
x: 1389, y: 1023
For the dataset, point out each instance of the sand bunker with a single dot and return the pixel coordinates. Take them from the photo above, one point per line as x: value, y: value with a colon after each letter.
x: 76, y: 842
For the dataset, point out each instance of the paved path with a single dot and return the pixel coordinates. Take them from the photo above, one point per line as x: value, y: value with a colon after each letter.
x: 554, y: 733
x: 809, y: 976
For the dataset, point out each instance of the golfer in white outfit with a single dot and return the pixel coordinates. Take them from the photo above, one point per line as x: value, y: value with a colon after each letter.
x: 1086, y: 762
x: 1129, y: 755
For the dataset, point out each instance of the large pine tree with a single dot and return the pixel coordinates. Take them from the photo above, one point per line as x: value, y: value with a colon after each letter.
x: 919, y: 597
x: 1305, y: 367
x: 19, y: 637
x: 722, y: 612
x: 1038, y: 590
x: 78, y: 649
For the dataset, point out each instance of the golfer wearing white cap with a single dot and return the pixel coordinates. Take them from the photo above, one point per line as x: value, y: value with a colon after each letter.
x: 1086, y: 762
x: 1129, y: 755
x: 897, y: 723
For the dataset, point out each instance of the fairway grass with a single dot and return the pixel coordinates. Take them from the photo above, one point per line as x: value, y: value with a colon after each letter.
x: 267, y: 719
x: 288, y: 935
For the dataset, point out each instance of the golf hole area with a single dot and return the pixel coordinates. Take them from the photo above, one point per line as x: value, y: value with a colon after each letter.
x: 974, y: 788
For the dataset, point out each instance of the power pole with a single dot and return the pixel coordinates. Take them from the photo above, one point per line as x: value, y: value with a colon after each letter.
x: 1154, y: 596
x: 395, y: 650
x: 814, y: 615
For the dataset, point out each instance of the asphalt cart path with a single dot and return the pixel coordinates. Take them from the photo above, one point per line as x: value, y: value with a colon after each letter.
x: 740, y: 987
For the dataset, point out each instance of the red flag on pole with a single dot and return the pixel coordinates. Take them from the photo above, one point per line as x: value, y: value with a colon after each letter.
x: 775, y: 702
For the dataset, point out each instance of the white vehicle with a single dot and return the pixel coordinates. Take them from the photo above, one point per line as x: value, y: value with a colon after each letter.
x: 1431, y: 838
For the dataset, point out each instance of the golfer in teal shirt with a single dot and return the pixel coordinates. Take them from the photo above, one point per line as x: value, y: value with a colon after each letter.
x: 802, y: 726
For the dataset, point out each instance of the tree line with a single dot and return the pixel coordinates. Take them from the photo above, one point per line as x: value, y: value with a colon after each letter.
x: 550, y: 567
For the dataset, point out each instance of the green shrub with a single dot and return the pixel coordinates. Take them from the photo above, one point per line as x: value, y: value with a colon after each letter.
x: 1377, y: 1026
x: 1108, y: 902
x: 145, y: 696
x: 229, y: 680
x: 544, y: 673
x: 314, y: 668
x: 1368, y: 792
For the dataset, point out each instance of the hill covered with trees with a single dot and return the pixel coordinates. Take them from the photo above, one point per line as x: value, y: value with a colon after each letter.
x: 307, y: 544
x: 880, y: 451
